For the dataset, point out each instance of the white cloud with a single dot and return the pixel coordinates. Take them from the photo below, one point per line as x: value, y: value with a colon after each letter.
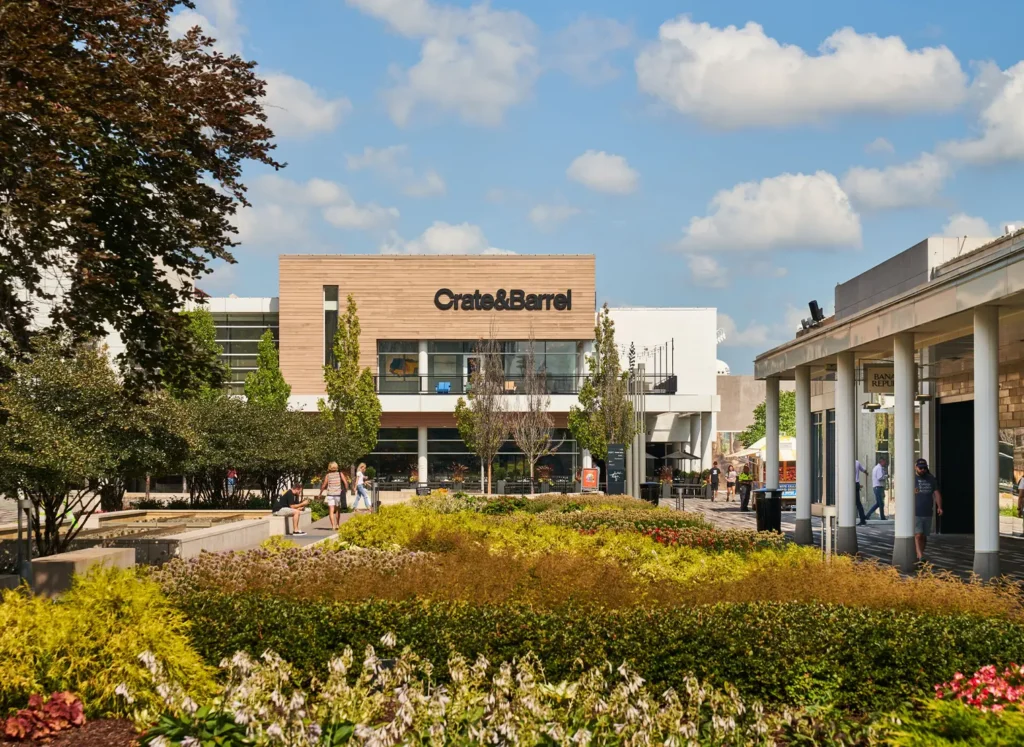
x: 789, y: 211
x: 549, y: 217
x: 222, y: 280
x: 604, y: 172
x: 910, y: 184
x: 738, y: 77
x: 582, y: 50
x: 387, y: 162
x: 767, y: 269
x: 706, y: 271
x: 475, y: 62
x: 283, y: 210
x: 295, y: 109
x: 1001, y: 120
x: 754, y: 334
x: 217, y: 19
x: 962, y: 224
x: 443, y: 238
x: 879, y: 145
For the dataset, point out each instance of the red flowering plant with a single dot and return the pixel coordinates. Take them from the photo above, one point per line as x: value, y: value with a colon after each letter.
x: 716, y: 540
x: 987, y: 689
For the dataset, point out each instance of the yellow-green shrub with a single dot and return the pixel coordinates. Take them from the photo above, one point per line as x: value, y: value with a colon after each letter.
x: 89, y: 640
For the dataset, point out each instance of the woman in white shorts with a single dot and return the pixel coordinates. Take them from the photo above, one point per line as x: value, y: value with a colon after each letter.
x: 336, y: 485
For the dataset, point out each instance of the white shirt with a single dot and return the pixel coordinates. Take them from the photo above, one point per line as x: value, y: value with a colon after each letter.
x: 1020, y: 485
x: 878, y: 476
x: 359, y: 478
x: 857, y: 469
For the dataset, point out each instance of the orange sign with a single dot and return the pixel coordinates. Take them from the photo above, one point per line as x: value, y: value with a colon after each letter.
x: 589, y: 477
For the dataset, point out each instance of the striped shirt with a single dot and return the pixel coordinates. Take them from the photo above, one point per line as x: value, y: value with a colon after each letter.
x: 333, y: 483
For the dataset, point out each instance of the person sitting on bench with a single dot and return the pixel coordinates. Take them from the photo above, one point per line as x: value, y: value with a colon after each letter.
x: 291, y: 503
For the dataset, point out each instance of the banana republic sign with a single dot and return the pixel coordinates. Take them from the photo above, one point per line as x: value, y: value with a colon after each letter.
x: 502, y: 300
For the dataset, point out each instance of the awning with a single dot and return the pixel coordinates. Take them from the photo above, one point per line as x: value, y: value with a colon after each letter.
x: 681, y: 455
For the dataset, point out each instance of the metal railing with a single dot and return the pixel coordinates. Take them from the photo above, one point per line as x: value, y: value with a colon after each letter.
x: 458, y: 385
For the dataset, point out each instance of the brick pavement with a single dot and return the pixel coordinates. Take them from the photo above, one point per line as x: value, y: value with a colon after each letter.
x: 950, y: 552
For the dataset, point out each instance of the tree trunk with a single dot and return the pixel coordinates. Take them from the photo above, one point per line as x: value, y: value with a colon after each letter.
x: 489, y: 477
x: 147, y: 486
x: 532, y: 490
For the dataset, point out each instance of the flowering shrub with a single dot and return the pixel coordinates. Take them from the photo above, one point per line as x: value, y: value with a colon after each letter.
x: 987, y: 689
x: 717, y: 540
x: 397, y: 702
x: 42, y: 719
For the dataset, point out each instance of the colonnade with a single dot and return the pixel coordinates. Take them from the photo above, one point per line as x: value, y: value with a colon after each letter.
x: 986, y: 447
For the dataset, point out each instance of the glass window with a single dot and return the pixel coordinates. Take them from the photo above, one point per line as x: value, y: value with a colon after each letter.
x: 398, y: 366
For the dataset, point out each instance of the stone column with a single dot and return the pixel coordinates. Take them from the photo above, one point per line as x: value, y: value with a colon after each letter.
x: 846, y: 423
x: 986, y: 442
x: 424, y: 367
x: 804, y: 534
x: 771, y: 432
x: 902, y: 467
x: 421, y: 454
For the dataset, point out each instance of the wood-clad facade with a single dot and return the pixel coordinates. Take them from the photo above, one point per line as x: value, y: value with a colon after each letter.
x: 396, y: 295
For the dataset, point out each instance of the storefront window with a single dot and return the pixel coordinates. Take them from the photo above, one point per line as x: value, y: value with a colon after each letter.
x: 452, y: 361
x: 398, y: 366
x: 395, y: 456
x: 445, y: 449
x: 330, y: 322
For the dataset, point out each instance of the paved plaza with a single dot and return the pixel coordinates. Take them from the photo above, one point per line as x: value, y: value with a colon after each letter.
x: 949, y: 552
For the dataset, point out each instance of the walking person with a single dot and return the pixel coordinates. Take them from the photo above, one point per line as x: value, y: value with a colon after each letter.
x: 291, y: 503
x: 926, y: 498
x: 744, y: 483
x: 730, y: 483
x: 361, y: 491
x: 858, y: 469
x: 336, y: 484
x: 1020, y: 496
x: 714, y: 476
x: 878, y: 475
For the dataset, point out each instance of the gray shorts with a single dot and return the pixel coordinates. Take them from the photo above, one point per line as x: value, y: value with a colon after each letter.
x: 922, y: 525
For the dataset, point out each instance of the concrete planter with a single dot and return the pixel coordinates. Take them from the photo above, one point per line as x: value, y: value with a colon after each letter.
x: 501, y: 487
x: 666, y: 491
x: 545, y: 487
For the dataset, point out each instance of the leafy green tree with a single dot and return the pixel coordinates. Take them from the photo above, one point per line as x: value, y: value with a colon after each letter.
x: 483, y: 421
x: 605, y: 414
x: 352, y: 404
x: 787, y: 419
x: 266, y: 386
x: 197, y: 371
x: 70, y: 425
x: 121, y: 155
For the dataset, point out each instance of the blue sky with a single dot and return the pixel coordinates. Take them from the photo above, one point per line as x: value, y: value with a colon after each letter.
x: 741, y: 155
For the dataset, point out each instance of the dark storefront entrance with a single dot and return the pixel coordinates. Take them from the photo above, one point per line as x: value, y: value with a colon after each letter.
x: 955, y: 466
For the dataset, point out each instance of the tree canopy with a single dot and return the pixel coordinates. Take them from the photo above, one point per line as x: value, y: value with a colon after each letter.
x: 605, y: 414
x: 787, y: 419
x: 121, y: 153
x: 352, y: 403
x: 266, y: 386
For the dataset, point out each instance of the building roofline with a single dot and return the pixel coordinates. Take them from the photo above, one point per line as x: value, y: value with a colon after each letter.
x: 966, y: 264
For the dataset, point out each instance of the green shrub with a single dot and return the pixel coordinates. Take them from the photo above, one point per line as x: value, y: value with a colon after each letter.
x: 318, y: 509
x: 89, y: 640
x: 953, y: 724
x: 802, y: 654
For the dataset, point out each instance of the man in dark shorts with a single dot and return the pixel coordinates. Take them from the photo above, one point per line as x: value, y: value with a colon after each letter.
x: 926, y: 496
x: 715, y: 476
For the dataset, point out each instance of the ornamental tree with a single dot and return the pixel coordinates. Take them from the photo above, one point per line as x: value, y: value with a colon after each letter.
x: 483, y: 421
x: 266, y: 386
x: 70, y: 427
x: 532, y: 426
x: 196, y: 371
x: 352, y: 404
x: 605, y: 414
x: 121, y: 155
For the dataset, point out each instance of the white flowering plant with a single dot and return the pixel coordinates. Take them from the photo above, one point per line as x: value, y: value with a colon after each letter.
x: 384, y: 702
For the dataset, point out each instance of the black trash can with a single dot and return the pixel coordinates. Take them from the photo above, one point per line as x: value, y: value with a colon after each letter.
x: 769, y: 509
